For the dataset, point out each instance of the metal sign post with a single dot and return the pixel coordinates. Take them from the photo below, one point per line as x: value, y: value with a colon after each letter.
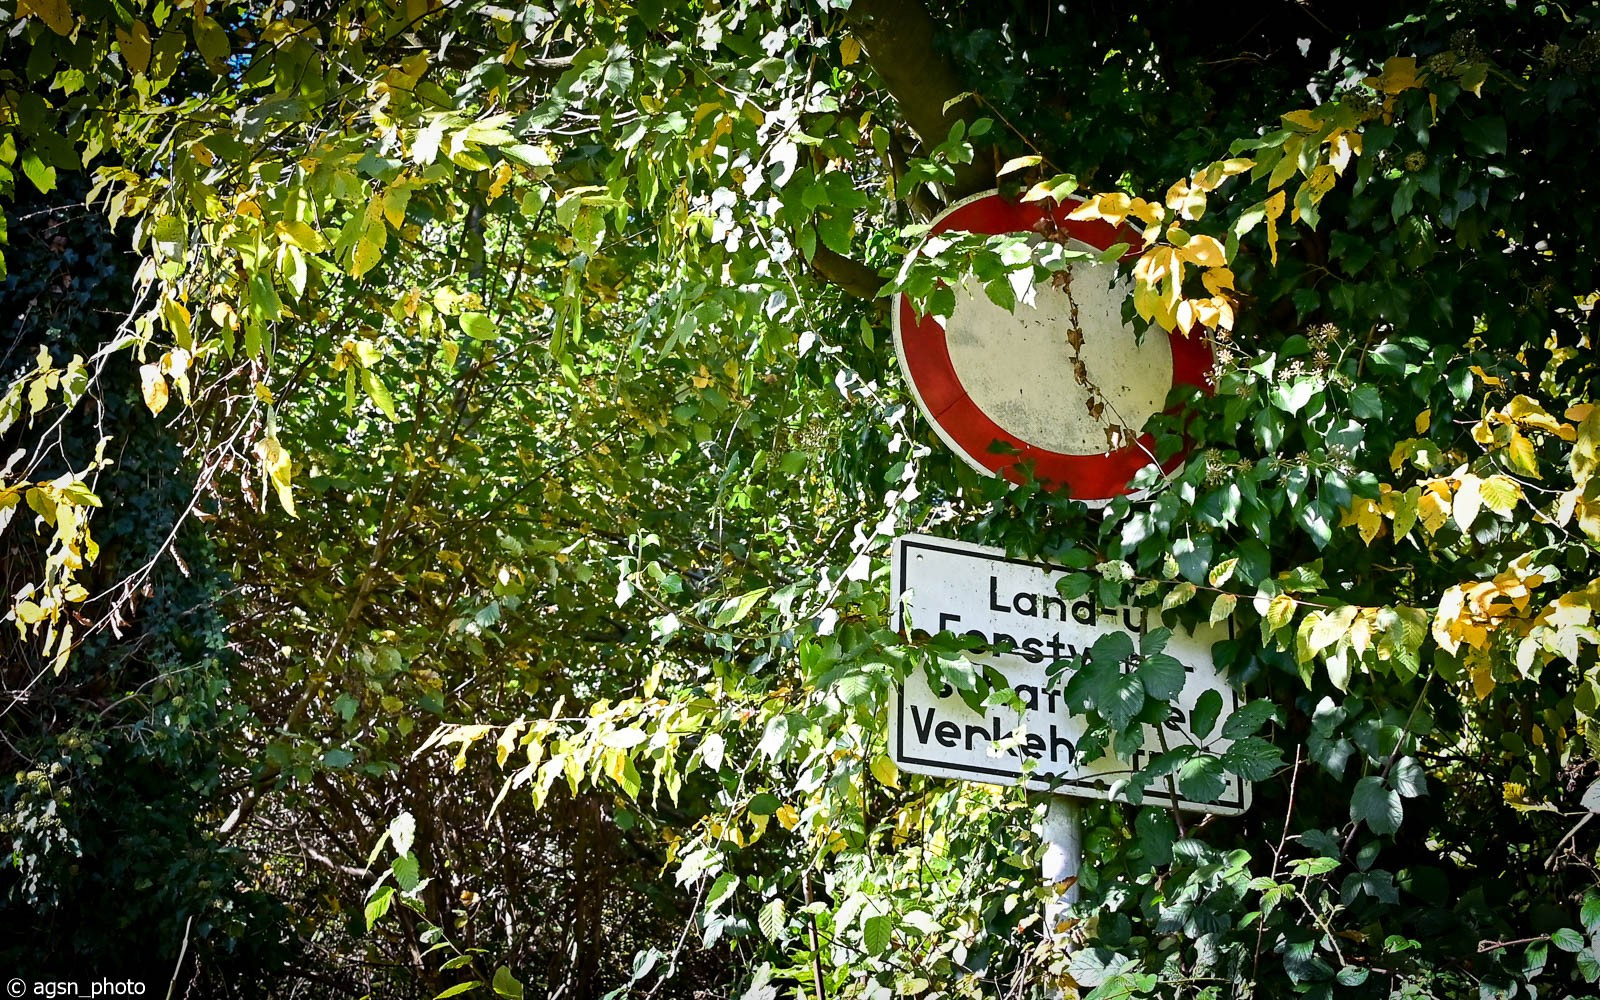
x: 1062, y: 833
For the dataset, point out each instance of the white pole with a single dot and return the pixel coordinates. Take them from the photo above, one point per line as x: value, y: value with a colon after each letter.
x: 1062, y: 833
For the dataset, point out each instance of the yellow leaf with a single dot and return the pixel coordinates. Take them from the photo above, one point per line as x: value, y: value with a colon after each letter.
x: 154, y: 385
x: 1523, y: 459
x: 1147, y: 212
x: 1327, y: 630
x: 497, y: 187
x: 1302, y: 120
x: 884, y: 770
x: 1217, y: 280
x: 135, y: 45
x: 366, y: 256
x: 1188, y: 201
x: 1206, y: 251
x: 1468, y: 501
x: 1213, y: 175
x: 279, y: 467
x: 849, y: 49
x: 1424, y: 419
x: 1018, y: 163
x: 788, y: 817
x: 1321, y: 181
x: 1529, y: 413
x: 1493, y: 381
x: 395, y: 200
x: 1367, y: 517
x: 1482, y: 681
x: 1433, y: 508
x: 1114, y: 208
x: 1500, y: 494
x: 1274, y: 206
x: 1343, y: 145
x: 301, y: 235
x: 1399, y: 73
x: 54, y: 13
x: 1585, y: 457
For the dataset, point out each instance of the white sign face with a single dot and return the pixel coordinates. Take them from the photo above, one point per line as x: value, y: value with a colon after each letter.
x: 943, y: 585
x: 1019, y: 369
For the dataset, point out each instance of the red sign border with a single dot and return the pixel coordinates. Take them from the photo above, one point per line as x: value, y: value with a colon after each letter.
x: 970, y: 433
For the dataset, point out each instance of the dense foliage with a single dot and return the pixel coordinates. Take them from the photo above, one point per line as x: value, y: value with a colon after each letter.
x: 532, y: 374
x: 111, y: 766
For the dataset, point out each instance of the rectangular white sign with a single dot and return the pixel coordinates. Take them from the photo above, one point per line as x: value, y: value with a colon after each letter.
x: 943, y: 585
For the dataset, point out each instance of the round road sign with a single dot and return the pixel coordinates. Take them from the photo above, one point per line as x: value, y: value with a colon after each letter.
x: 1008, y: 389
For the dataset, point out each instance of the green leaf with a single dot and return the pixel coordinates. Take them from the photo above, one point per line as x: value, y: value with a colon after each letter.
x: 40, y: 173
x: 506, y: 985
x: 1206, y: 709
x: 379, y: 905
x: 1567, y: 939
x: 1590, y: 912
x: 1162, y: 676
x: 1222, y: 572
x: 478, y: 326
x: 1376, y: 805
x: 1249, y: 719
x: 379, y: 394
x: 1200, y: 779
x: 875, y: 933
x: 1118, y: 696
x: 458, y: 989
x: 1253, y: 759
x: 407, y: 872
x: 721, y: 889
x: 1222, y: 608
x: 1113, y: 647
x: 765, y: 804
x: 771, y: 920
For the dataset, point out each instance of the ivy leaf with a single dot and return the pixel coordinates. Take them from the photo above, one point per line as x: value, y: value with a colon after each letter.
x: 1376, y: 805
x: 1408, y: 778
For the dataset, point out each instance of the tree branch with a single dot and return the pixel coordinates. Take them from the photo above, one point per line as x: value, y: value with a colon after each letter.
x: 848, y: 273
x: 899, y: 38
